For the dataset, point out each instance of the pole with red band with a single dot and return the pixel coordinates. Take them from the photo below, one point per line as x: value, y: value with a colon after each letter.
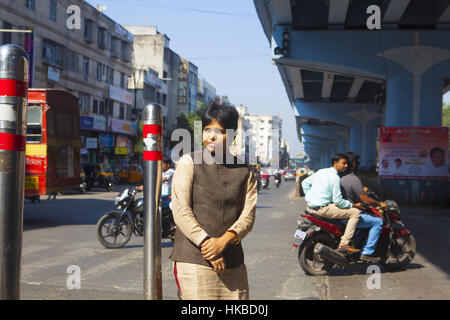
x: 13, y: 103
x: 152, y: 156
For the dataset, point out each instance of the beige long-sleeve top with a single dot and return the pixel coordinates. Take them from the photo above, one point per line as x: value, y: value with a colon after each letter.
x: 182, y: 198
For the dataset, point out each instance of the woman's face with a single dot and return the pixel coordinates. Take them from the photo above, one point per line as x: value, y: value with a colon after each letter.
x: 214, y: 136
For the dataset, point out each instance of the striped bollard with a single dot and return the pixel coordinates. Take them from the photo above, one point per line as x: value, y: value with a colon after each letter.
x: 13, y: 128
x: 152, y: 156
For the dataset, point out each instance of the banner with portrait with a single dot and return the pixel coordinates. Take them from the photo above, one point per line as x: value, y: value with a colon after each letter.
x: 413, y: 153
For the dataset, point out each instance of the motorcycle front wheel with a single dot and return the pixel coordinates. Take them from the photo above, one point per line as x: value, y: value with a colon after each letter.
x: 114, y: 230
x: 312, y: 264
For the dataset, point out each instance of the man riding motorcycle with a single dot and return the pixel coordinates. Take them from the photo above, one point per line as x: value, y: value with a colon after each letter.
x: 277, y: 177
x: 352, y: 190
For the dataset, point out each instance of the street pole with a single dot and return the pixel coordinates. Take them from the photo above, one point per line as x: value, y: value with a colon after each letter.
x: 13, y: 126
x: 152, y: 156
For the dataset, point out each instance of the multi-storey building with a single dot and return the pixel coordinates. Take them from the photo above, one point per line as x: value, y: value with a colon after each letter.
x: 178, y: 87
x: 206, y: 92
x: 87, y: 54
x: 150, y: 59
x: 266, y: 136
x: 244, y: 146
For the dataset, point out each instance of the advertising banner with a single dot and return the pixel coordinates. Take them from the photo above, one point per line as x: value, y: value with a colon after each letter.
x: 107, y: 140
x: 86, y: 123
x: 120, y: 95
x: 91, y: 143
x: 122, y: 126
x: 99, y: 122
x: 413, y: 153
x: 121, y: 151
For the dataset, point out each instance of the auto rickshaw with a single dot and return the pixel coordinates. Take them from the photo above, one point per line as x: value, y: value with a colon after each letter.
x: 122, y: 174
x: 105, y: 176
x: 133, y: 174
x: 136, y: 174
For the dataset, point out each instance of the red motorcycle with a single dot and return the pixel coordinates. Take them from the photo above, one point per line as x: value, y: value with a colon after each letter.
x: 317, y: 239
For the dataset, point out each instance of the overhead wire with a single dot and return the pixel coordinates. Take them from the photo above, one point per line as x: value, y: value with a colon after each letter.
x: 146, y: 3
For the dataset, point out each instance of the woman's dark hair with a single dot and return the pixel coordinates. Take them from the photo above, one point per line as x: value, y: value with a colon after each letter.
x: 337, y: 157
x: 222, y: 112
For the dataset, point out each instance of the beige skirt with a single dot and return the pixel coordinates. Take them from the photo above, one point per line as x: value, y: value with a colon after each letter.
x: 197, y: 282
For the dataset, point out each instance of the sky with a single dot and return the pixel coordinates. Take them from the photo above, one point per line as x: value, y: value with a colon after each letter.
x: 225, y: 40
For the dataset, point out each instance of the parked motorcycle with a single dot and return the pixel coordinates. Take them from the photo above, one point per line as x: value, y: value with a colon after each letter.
x: 317, y: 239
x: 115, y: 228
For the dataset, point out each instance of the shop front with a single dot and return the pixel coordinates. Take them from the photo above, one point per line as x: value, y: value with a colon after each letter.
x: 91, y: 127
x: 125, y: 135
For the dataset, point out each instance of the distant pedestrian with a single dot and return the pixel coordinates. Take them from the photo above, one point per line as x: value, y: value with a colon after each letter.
x: 214, y: 205
x: 52, y: 194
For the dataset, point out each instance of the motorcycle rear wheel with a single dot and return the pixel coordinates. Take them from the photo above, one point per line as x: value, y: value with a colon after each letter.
x: 404, y: 257
x: 120, y: 228
x: 309, y: 262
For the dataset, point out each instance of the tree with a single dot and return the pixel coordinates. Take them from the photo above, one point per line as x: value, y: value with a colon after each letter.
x: 446, y: 115
x: 187, y: 120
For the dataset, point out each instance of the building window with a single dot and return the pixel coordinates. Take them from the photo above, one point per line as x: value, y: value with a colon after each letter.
x: 158, y: 97
x: 122, y: 111
x: 52, y: 53
x: 164, y: 99
x: 122, y: 80
x: 101, y: 38
x: 84, y: 102
x: 114, y: 47
x: 53, y: 10
x: 99, y: 71
x: 149, y: 93
x: 109, y: 107
x: 126, y: 54
x: 102, y: 107
x: 7, y: 36
x: 30, y: 4
x: 88, y: 30
x: 85, y: 67
x: 95, y: 107
x: 71, y: 62
x: 110, y: 75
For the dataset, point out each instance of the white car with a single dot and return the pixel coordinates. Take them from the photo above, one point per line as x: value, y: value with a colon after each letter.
x: 289, y: 175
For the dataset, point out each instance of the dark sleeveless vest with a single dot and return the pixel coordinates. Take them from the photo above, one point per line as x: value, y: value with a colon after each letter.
x: 218, y: 198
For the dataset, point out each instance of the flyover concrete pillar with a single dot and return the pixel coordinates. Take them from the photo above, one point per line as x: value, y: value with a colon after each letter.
x: 339, y: 134
x: 414, y: 86
x: 361, y: 120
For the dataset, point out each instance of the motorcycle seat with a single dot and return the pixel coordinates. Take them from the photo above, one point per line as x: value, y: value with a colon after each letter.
x: 336, y: 222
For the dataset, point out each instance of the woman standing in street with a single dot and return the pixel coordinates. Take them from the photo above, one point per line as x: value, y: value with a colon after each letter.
x: 214, y: 205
